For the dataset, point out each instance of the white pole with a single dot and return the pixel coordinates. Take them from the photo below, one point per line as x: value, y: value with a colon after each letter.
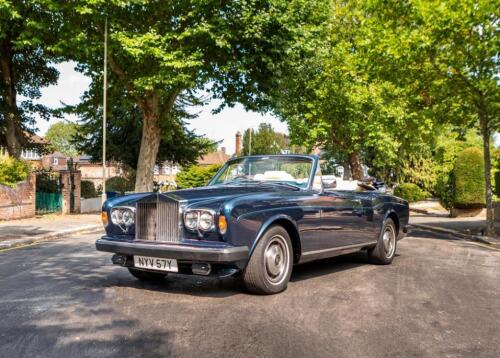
x: 104, y: 108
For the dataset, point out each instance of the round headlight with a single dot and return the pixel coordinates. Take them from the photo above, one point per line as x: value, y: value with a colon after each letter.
x: 116, y: 217
x: 191, y: 220
x: 127, y: 217
x: 206, y: 221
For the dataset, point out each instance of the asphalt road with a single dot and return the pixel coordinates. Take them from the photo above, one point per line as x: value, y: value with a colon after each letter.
x: 439, y: 298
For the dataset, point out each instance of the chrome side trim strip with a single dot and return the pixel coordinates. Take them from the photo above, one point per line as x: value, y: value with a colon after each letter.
x: 340, y: 248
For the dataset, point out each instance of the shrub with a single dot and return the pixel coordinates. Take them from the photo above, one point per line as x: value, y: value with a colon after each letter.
x: 497, y: 183
x: 469, y: 187
x: 13, y: 171
x: 410, y: 192
x: 47, y: 181
x: 195, y: 176
x: 119, y: 184
x: 88, y: 189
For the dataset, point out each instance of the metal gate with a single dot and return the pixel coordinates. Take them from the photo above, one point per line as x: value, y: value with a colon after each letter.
x: 46, y: 203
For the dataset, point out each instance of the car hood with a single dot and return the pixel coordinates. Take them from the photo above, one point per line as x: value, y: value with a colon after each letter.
x: 224, y: 192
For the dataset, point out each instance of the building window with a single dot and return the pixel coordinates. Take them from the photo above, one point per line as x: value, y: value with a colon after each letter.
x: 55, y: 161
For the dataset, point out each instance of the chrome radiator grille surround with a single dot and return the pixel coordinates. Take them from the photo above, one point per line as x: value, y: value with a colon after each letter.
x: 158, y: 220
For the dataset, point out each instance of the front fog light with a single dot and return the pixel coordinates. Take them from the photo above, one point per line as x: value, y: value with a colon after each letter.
x: 206, y: 221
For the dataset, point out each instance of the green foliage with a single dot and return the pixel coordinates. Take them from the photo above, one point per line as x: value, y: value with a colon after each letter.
x: 119, y: 185
x: 410, y: 192
x: 28, y: 30
x: 264, y: 141
x: 195, y: 176
x: 161, y: 53
x: 61, y: 138
x: 497, y: 183
x: 469, y: 188
x: 88, y: 189
x: 47, y: 182
x: 13, y: 171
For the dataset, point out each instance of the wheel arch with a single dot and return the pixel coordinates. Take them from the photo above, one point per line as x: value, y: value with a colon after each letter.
x: 289, y: 225
x: 395, y: 218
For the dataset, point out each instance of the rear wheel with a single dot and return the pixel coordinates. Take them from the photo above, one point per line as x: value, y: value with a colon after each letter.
x: 270, y: 266
x: 146, y: 275
x: 384, y: 251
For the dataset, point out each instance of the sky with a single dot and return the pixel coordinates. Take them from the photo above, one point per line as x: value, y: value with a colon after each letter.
x: 220, y: 127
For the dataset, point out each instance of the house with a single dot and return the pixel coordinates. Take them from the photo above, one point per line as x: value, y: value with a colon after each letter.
x: 92, y: 171
x: 214, y: 158
x: 55, y: 161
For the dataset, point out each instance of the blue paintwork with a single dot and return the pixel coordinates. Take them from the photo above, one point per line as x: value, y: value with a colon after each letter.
x: 317, y: 220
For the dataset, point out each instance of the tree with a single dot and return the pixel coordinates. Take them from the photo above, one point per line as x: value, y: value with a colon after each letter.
x: 159, y: 51
x: 27, y: 32
x: 263, y: 141
x: 61, y: 136
x: 124, y: 127
x: 464, y: 36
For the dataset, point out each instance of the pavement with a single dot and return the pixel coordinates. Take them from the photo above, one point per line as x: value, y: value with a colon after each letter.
x: 469, y: 228
x: 47, y: 227
x: 439, y: 298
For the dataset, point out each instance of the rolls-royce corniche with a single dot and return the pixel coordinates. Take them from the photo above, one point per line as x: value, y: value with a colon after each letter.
x: 257, y: 218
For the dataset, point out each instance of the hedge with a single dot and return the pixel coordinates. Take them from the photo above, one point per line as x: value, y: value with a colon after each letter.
x: 195, y: 176
x: 497, y: 183
x: 469, y: 186
x: 119, y: 185
x: 88, y: 189
x: 410, y: 192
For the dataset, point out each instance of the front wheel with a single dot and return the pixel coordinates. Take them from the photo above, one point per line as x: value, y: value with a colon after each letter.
x: 384, y: 251
x: 270, y: 266
x: 146, y: 275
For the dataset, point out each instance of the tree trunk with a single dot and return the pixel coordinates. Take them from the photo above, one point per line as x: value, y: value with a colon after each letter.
x: 485, y: 131
x: 150, y: 142
x: 355, y: 164
x: 12, y: 131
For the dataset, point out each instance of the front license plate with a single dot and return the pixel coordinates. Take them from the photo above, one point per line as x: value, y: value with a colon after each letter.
x: 156, y: 263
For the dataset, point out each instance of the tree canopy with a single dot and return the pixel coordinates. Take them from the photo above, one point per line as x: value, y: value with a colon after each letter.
x: 160, y: 51
x: 264, y: 140
x: 61, y: 137
x: 28, y: 31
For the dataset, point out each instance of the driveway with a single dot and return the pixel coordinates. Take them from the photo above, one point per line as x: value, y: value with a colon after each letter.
x: 439, y: 298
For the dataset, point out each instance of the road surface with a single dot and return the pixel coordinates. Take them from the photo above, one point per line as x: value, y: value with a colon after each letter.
x: 439, y: 298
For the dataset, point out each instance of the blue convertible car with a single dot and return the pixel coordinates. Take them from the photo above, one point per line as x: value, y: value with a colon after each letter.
x: 258, y: 216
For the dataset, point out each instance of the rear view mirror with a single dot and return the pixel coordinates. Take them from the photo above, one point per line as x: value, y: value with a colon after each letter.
x: 329, y: 184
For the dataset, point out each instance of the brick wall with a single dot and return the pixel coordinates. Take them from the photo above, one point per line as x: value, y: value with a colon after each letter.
x: 18, y: 202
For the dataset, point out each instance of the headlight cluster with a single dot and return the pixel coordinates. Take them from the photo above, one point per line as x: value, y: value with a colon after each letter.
x: 202, y: 220
x: 123, y: 216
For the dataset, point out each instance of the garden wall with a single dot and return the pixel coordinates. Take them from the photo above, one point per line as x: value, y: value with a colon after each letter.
x: 18, y: 202
x: 91, y: 205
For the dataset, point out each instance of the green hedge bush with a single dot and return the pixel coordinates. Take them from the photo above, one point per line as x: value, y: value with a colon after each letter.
x: 119, y: 185
x: 195, y: 176
x: 88, y: 189
x: 469, y: 186
x: 13, y: 171
x: 497, y: 183
x: 410, y: 192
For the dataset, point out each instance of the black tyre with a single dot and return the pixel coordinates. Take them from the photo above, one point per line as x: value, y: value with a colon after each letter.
x: 270, y: 266
x: 384, y: 251
x: 147, y: 276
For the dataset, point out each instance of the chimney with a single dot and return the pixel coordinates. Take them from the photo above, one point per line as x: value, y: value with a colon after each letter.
x: 238, y: 143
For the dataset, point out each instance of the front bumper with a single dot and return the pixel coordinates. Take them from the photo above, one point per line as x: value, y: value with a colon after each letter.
x: 210, y: 253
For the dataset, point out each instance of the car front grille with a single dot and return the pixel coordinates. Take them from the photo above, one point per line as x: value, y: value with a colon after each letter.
x: 158, y: 220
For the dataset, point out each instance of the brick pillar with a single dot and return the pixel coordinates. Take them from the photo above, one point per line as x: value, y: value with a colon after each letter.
x: 65, y: 191
x: 77, y: 190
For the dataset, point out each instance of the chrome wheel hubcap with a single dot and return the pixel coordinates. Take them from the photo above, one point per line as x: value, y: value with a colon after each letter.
x: 276, y: 259
x: 389, y: 240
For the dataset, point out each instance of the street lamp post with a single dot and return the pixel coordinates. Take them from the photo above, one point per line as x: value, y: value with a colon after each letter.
x: 104, y: 99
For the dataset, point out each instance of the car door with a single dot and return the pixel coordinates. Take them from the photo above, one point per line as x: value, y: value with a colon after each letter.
x: 344, y: 217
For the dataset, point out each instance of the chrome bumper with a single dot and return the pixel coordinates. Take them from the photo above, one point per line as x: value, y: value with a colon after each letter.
x: 187, y: 252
